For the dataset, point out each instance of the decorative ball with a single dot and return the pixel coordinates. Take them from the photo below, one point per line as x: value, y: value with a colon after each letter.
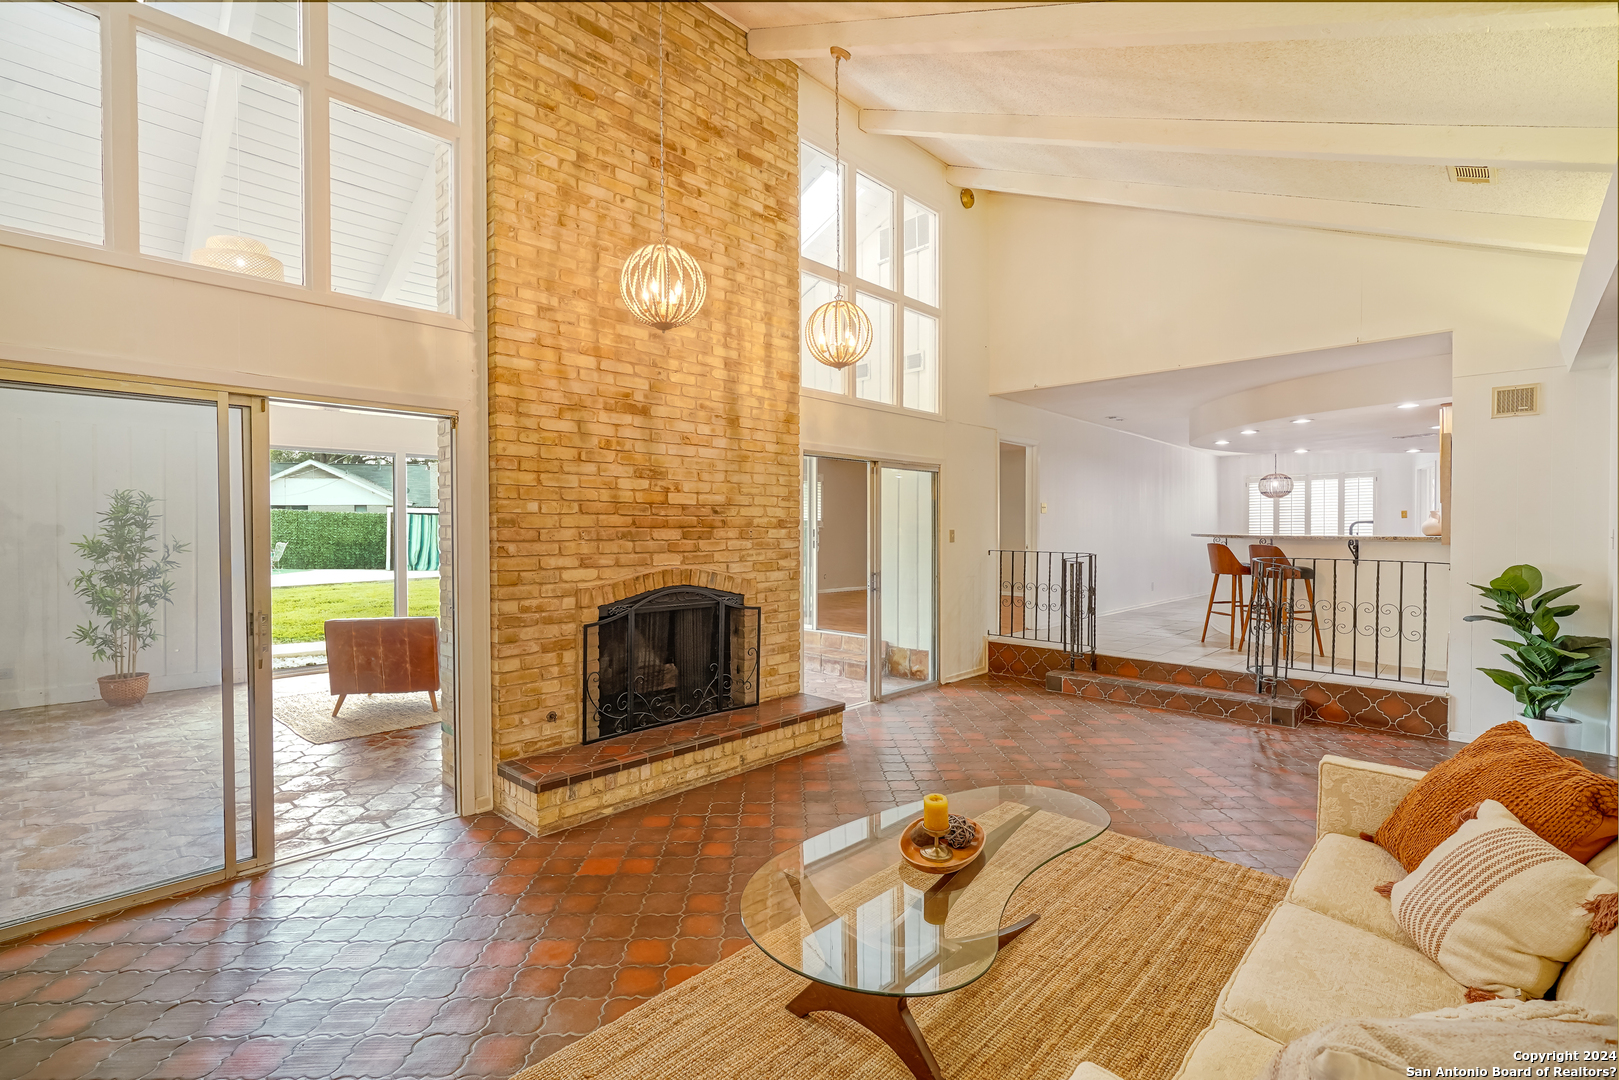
x: 962, y: 833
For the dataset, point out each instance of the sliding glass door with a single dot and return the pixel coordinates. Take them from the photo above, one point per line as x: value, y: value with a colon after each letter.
x: 128, y: 659
x: 905, y: 618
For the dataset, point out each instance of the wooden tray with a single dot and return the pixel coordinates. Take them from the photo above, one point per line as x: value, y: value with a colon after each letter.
x: 912, y: 851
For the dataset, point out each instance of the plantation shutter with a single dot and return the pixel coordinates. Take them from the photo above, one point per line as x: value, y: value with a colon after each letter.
x: 1260, y: 519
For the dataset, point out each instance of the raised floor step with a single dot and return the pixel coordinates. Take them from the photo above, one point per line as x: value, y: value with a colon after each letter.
x: 1286, y: 709
x: 1391, y: 707
x: 560, y: 788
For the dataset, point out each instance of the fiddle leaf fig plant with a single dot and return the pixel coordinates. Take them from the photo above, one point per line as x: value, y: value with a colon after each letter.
x: 126, y: 579
x: 1549, y: 663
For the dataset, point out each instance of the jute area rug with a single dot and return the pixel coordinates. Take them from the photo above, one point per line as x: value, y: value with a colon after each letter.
x: 1134, y: 942
x: 310, y: 715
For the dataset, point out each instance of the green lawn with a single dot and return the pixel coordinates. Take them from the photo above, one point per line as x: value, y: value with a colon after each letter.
x: 299, y: 612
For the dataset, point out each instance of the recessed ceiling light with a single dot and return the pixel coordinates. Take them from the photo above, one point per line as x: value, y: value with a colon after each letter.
x: 1408, y: 405
x: 1303, y: 420
x: 1434, y: 428
x: 1249, y: 431
x: 1222, y: 442
x: 1301, y: 451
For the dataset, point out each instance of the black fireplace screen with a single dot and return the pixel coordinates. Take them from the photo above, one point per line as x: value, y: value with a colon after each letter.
x: 667, y: 655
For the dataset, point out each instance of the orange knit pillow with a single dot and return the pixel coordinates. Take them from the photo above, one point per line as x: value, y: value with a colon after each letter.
x: 1560, y: 800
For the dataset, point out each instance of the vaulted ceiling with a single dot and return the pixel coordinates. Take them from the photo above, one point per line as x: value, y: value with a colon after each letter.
x: 1340, y: 116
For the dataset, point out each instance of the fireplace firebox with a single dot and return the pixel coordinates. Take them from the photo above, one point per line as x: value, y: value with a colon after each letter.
x: 666, y: 655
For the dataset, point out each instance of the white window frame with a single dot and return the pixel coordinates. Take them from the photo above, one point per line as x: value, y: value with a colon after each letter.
x: 853, y: 284
x: 1302, y: 483
x: 120, y: 184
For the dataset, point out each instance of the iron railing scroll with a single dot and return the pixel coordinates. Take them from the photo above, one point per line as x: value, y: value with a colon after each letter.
x: 1382, y: 619
x: 1048, y: 597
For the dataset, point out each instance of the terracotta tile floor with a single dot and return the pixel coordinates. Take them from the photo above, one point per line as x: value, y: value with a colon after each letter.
x: 154, y: 771
x: 469, y: 948
x: 327, y: 793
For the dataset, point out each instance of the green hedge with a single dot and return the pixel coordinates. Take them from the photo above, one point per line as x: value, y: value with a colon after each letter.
x: 323, y: 540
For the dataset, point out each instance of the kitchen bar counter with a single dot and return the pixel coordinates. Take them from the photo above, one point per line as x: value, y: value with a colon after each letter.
x: 1276, y: 539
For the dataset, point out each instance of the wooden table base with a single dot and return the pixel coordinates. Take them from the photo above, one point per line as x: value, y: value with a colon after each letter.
x: 889, y: 1018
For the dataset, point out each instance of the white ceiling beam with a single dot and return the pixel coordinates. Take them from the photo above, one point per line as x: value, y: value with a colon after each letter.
x: 408, y: 240
x: 1126, y: 24
x: 218, y: 125
x: 1552, y: 235
x: 1596, y: 275
x: 1583, y: 149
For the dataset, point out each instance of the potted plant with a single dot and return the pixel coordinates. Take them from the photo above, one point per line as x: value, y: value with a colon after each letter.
x: 1550, y: 664
x: 126, y: 580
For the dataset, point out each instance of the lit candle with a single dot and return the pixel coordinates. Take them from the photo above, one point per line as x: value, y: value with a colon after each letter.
x: 935, y: 814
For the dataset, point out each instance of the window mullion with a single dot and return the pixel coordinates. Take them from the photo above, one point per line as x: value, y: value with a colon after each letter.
x: 317, y: 151
x: 120, y: 118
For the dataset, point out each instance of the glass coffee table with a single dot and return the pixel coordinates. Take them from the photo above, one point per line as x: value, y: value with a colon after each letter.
x: 846, y: 911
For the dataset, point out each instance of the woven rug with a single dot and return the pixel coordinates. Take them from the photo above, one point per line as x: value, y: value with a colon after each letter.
x: 1134, y: 942
x: 310, y: 715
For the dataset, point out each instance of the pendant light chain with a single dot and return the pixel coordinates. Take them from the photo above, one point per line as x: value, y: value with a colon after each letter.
x: 838, y: 333
x: 837, y: 154
x: 663, y: 151
x: 662, y: 285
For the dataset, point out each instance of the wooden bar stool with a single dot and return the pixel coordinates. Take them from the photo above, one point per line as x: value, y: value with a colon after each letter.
x: 1280, y: 560
x: 1223, y: 563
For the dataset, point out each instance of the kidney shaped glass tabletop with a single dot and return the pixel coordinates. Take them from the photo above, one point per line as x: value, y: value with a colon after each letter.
x: 845, y: 909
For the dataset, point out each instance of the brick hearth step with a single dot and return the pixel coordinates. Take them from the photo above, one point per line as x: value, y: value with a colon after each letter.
x: 1285, y: 710
x: 558, y: 789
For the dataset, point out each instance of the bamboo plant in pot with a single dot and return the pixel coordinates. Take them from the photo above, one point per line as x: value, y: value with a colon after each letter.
x: 1549, y: 663
x: 126, y: 579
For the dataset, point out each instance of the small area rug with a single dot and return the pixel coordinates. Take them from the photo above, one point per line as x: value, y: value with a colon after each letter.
x: 310, y: 715
x: 1134, y: 942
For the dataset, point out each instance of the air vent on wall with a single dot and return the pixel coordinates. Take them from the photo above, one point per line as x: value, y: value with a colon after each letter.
x: 1469, y: 174
x: 1515, y: 400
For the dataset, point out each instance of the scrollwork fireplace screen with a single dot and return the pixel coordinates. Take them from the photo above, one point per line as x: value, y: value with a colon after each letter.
x: 666, y: 655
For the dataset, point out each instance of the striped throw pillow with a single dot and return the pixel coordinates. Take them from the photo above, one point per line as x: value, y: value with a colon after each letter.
x: 1500, y: 909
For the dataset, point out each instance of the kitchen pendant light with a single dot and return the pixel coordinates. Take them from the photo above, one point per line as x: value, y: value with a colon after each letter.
x: 661, y: 284
x: 1276, y: 485
x: 838, y: 333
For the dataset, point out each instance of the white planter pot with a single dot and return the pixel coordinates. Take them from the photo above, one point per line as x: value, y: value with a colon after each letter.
x: 1559, y: 732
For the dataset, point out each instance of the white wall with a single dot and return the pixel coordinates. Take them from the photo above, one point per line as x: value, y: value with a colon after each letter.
x: 1133, y: 501
x: 1086, y: 292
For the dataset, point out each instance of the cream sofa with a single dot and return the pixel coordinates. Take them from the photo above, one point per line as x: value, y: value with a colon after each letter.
x: 1331, y: 950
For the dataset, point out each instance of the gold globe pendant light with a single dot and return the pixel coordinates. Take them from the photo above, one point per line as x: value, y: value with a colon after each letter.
x: 661, y: 284
x: 838, y: 333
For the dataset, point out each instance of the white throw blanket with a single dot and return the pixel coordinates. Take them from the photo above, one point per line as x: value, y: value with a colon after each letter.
x: 1501, y: 1034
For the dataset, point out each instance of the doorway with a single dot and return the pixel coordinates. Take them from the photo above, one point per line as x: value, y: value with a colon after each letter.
x: 836, y: 541
x: 359, y: 545
x: 870, y: 558
x: 132, y: 759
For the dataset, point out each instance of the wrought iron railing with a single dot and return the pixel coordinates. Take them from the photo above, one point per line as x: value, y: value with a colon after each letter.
x: 1379, y: 619
x: 1049, y: 597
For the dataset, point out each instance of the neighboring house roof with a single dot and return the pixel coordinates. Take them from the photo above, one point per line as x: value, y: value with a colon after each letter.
x: 316, y: 469
x: 419, y: 479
